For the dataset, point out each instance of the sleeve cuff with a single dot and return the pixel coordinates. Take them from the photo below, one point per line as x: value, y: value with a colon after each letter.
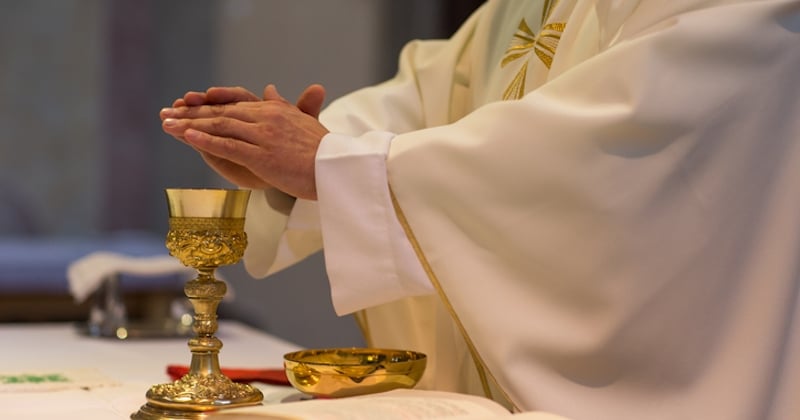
x: 368, y: 258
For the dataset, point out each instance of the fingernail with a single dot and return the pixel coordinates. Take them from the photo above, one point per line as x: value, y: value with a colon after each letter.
x: 170, y: 122
x: 168, y: 112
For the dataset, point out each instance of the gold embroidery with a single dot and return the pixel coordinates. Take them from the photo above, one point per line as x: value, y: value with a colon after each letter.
x: 476, y: 358
x: 547, y: 42
x: 516, y: 89
x: 524, y: 41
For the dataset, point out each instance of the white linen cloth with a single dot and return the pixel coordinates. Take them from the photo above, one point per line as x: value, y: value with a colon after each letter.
x: 86, y: 274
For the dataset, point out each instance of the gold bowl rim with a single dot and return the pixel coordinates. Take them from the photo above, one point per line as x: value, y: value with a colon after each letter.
x: 301, y: 355
x: 207, y: 202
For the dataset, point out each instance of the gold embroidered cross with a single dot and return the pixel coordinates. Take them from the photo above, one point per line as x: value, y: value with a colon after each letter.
x: 524, y: 42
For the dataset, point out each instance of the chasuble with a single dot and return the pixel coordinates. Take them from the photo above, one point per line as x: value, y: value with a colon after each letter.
x: 581, y: 207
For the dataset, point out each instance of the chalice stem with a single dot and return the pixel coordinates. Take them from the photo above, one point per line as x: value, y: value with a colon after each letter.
x: 205, y: 293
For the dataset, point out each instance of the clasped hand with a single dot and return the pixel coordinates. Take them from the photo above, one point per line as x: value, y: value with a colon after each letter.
x: 253, y: 142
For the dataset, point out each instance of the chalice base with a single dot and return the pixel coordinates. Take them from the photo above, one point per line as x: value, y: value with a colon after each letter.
x: 194, y: 396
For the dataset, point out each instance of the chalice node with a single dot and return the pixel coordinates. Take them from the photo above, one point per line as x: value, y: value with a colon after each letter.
x: 206, y: 231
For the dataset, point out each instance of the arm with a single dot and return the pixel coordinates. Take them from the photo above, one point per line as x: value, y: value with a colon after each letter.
x: 396, y: 105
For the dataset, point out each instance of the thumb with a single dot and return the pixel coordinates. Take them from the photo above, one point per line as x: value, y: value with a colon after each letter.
x: 311, y: 100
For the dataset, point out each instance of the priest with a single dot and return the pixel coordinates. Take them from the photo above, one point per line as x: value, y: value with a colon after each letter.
x: 582, y: 207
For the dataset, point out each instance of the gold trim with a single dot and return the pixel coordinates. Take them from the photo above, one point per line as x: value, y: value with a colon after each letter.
x: 480, y: 365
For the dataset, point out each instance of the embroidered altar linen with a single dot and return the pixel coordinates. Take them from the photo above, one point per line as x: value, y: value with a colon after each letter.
x: 53, y: 380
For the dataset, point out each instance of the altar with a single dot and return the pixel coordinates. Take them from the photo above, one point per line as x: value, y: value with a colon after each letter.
x: 117, y: 372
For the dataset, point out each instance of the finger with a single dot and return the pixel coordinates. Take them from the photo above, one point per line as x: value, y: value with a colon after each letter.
x: 168, y: 112
x: 311, y: 100
x: 227, y: 95
x: 271, y: 94
x: 244, y: 111
x: 194, y: 98
x: 234, y: 173
x: 235, y: 151
x: 173, y: 127
x: 220, y: 127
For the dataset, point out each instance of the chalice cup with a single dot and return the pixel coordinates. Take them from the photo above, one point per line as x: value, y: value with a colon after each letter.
x: 206, y: 231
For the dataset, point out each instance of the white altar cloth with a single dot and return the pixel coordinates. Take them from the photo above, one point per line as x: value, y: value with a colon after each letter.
x: 129, y: 366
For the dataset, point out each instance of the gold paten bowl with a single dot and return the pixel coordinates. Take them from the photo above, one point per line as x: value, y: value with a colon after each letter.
x: 343, y: 372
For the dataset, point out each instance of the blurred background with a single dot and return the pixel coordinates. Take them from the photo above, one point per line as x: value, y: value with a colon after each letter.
x: 83, y: 161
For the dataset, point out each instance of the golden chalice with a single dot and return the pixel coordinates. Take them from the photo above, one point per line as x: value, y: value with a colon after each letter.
x: 206, y: 231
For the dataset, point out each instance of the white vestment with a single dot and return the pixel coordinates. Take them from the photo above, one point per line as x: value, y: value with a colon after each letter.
x: 593, y: 202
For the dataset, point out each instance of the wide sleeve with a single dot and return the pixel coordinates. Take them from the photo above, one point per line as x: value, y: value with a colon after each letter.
x: 606, y: 233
